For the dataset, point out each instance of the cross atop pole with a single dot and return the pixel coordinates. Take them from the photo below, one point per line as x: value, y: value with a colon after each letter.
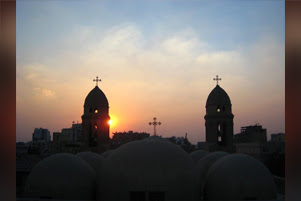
x: 217, y: 79
x: 155, y: 123
x: 96, y: 80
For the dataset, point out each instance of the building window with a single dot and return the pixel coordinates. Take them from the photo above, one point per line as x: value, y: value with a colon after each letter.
x: 45, y: 197
x: 219, y: 138
x: 156, y: 196
x: 250, y: 198
x: 137, y: 196
x: 218, y: 109
x: 96, y: 111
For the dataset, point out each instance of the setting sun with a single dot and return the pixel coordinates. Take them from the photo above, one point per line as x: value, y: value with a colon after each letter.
x: 113, y: 121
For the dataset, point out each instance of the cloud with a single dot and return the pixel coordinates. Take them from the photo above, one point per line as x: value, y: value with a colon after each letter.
x: 35, y: 82
x: 41, y: 93
x: 48, y: 92
x: 181, y: 46
x: 34, y: 73
x: 170, y: 75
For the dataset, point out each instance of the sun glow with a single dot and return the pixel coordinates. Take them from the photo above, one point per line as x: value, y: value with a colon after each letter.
x: 113, y: 121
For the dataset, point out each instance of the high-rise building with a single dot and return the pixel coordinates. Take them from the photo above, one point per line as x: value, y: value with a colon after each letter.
x: 41, y: 134
x: 279, y: 137
x: 67, y: 132
x: 251, y: 134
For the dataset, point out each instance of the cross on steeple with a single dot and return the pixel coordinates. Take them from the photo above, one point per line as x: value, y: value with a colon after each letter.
x: 96, y: 80
x: 217, y: 79
x: 155, y: 123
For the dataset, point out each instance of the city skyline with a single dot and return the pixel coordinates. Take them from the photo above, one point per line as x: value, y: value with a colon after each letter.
x: 155, y: 61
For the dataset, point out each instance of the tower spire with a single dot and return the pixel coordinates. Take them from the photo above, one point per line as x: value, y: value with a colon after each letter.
x: 96, y: 80
x: 217, y: 79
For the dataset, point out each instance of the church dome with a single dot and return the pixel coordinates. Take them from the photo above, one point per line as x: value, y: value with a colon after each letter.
x: 61, y: 176
x: 91, y: 157
x: 106, y: 153
x: 149, y: 165
x: 204, y: 164
x: 239, y: 177
x: 198, y: 154
x: 96, y: 98
x: 218, y: 96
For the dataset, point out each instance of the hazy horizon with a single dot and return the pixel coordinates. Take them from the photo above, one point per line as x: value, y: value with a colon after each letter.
x: 155, y: 59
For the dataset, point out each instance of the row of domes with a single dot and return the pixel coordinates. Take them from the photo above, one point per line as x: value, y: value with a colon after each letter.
x: 151, y: 165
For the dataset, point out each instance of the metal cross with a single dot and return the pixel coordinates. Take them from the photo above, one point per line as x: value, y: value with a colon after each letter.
x: 154, y: 123
x: 96, y: 80
x: 217, y: 79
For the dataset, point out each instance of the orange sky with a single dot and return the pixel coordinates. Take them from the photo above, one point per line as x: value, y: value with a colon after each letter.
x: 149, y: 67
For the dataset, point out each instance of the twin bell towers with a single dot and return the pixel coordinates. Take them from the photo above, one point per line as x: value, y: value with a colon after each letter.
x: 218, y: 121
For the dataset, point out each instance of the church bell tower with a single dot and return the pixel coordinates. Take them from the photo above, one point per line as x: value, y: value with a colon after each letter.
x: 95, y: 120
x: 219, y: 121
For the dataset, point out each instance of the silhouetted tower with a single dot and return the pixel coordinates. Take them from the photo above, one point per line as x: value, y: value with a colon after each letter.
x: 155, y: 123
x: 219, y: 120
x: 95, y: 120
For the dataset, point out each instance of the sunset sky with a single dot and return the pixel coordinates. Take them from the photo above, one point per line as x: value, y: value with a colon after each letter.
x: 155, y: 59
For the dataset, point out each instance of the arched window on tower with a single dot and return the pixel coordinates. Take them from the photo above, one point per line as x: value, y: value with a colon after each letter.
x: 96, y: 111
x: 219, y: 136
x: 218, y: 109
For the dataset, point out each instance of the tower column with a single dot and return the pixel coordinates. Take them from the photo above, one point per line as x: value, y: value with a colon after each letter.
x: 219, y: 120
x: 96, y: 128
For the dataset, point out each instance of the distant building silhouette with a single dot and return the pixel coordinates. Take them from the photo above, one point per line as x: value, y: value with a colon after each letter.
x: 39, y: 144
x: 74, y: 132
x: 120, y: 138
x: 41, y: 134
x: 253, y: 141
x: 21, y: 149
x: 37, y: 147
x: 66, y: 141
x: 219, y: 121
x: 183, y: 142
x: 251, y: 134
x: 177, y: 140
x: 201, y: 145
x: 279, y: 137
x: 95, y: 120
